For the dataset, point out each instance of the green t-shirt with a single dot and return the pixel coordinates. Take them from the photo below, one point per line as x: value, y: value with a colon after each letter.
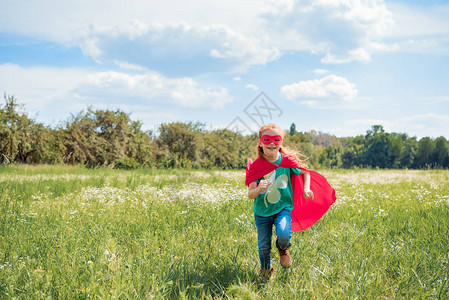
x: 279, y: 194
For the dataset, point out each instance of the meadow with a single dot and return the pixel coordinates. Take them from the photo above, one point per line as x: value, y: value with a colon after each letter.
x: 69, y: 232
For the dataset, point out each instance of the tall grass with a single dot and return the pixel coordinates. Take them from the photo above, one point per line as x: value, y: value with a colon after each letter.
x: 69, y: 232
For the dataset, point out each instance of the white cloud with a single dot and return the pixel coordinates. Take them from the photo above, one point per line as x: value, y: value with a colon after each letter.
x: 321, y: 71
x: 252, y: 86
x: 227, y: 38
x: 359, y: 54
x: 420, y: 29
x: 343, y: 30
x: 329, y: 88
x: 200, y: 47
x: 187, y: 92
x: 39, y: 86
x: 63, y: 21
x: 152, y: 86
x: 44, y: 88
x: 127, y: 66
x: 419, y: 20
x: 149, y: 33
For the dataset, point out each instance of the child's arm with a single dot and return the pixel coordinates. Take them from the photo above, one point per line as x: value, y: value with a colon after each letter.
x: 254, y: 190
x: 308, y: 193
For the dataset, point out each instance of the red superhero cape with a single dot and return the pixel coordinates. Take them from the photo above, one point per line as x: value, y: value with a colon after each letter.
x: 306, y: 212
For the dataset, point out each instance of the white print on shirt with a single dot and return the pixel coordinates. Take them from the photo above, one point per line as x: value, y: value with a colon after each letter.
x: 272, y: 193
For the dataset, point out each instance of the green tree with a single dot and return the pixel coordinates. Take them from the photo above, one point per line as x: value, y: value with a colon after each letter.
x: 21, y: 138
x: 292, y: 129
x: 113, y: 127
x: 177, y: 144
x: 106, y: 138
x: 441, y: 152
x: 353, y: 152
x: 377, y: 147
x: 426, y: 148
x: 396, y: 149
x: 82, y: 143
x: 408, y: 156
x: 331, y: 157
x: 220, y: 149
x: 142, y: 149
x: 301, y: 142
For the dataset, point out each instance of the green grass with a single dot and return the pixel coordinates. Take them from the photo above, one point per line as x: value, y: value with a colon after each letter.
x: 68, y: 232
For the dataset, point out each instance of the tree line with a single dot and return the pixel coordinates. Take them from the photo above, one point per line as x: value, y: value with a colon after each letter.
x: 109, y: 138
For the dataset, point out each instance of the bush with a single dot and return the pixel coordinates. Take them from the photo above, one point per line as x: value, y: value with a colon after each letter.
x: 126, y: 163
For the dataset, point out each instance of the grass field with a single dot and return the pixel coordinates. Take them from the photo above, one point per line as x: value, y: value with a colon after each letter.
x: 68, y: 232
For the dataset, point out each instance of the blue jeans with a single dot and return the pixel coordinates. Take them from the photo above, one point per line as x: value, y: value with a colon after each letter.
x: 282, y: 221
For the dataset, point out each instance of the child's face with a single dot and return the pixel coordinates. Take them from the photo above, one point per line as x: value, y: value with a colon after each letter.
x: 272, y: 148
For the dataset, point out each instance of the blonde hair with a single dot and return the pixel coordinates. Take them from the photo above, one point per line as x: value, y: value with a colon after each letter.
x: 283, y: 149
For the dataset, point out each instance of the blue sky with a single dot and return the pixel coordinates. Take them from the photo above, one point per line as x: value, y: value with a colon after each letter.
x: 336, y: 66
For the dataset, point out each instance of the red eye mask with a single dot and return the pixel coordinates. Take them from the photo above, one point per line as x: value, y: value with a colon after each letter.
x: 267, y: 139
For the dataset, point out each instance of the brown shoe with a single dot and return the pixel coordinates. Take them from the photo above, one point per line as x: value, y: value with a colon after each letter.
x: 266, y: 274
x: 286, y: 260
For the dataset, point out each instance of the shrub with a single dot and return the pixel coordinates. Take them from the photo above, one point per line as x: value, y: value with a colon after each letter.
x: 126, y: 163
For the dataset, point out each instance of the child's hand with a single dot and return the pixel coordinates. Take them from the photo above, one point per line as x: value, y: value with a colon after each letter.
x: 263, y: 184
x: 308, y: 193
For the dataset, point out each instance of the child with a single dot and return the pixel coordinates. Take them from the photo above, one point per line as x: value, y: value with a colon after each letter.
x: 286, y: 195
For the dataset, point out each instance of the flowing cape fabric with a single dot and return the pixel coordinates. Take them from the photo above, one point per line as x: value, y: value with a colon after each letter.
x: 306, y: 212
